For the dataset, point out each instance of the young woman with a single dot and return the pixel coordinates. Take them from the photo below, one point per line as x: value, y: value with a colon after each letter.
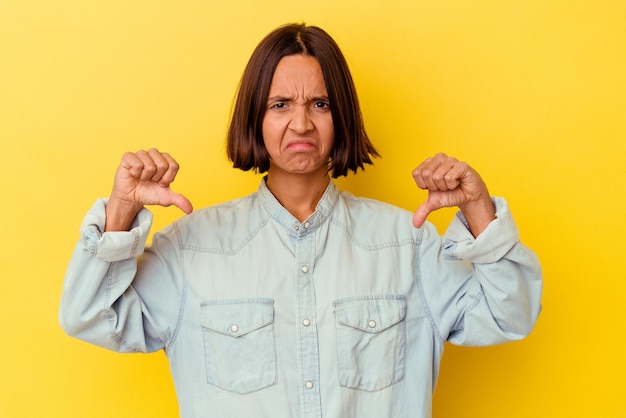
x: 300, y: 300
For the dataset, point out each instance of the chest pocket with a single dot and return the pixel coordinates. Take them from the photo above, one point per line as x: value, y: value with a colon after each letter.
x: 371, y: 341
x: 239, y: 344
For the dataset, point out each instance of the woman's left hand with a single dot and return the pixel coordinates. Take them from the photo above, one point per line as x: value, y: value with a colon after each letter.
x: 451, y: 182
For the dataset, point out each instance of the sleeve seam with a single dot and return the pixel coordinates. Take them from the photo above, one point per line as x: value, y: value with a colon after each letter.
x: 420, y: 286
x: 183, y: 295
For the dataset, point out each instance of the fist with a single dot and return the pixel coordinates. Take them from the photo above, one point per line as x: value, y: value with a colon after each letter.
x: 142, y: 178
x: 451, y: 182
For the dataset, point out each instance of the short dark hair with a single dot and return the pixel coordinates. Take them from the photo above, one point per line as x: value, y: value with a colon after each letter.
x: 245, y: 147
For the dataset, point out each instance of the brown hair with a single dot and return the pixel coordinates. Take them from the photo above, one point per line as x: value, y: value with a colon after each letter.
x: 245, y: 147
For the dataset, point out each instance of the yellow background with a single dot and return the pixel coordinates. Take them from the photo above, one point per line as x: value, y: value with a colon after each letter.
x: 532, y: 93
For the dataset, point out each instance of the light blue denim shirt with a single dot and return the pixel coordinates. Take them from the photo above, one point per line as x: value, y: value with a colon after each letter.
x: 344, y: 315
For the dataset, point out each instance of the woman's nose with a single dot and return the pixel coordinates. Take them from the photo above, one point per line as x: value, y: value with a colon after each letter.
x: 301, y: 120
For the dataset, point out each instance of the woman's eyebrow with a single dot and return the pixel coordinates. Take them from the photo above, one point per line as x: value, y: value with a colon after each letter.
x: 280, y: 98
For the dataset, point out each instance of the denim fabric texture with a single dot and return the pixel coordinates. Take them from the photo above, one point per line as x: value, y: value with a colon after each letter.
x: 260, y: 315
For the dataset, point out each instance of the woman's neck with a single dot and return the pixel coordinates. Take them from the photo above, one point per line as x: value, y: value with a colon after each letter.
x: 298, y: 193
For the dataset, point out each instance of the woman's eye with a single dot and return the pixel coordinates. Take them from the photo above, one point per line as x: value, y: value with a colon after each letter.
x: 322, y: 105
x: 278, y: 106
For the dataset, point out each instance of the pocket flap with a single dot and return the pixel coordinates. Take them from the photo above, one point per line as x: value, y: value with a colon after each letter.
x: 237, y: 317
x: 373, y: 315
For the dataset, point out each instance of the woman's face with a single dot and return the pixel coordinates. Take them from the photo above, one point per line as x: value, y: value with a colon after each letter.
x: 298, y: 126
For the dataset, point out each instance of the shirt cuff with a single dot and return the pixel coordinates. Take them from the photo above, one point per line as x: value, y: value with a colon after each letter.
x: 490, y: 246
x: 118, y: 245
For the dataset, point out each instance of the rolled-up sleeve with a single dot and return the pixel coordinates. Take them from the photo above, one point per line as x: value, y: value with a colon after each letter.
x: 484, y: 290
x: 99, y: 303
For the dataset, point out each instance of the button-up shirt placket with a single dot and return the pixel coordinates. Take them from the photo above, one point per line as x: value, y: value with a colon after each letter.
x: 308, y: 345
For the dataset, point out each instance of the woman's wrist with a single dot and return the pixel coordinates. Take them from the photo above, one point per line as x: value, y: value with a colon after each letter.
x: 479, y: 214
x: 120, y: 215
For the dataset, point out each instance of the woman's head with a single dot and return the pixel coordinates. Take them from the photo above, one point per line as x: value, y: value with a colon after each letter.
x: 352, y: 148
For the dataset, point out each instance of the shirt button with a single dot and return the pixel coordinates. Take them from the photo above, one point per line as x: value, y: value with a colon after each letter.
x: 296, y: 228
x: 305, y: 269
x: 372, y: 324
x: 234, y: 328
x: 308, y: 385
x: 306, y: 322
x: 307, y: 225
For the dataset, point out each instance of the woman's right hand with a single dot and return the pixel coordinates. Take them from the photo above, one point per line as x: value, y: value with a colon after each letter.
x: 142, y: 178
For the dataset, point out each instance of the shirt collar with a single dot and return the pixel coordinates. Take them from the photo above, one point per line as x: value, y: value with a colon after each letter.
x: 282, y: 216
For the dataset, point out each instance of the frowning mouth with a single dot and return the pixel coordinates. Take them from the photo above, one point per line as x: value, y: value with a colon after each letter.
x: 301, y: 145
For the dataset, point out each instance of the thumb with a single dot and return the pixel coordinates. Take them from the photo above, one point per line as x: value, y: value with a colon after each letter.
x: 182, y: 203
x: 169, y: 198
x: 422, y: 213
